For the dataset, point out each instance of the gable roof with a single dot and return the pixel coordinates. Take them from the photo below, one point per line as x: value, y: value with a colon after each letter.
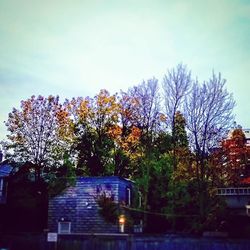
x: 102, y: 178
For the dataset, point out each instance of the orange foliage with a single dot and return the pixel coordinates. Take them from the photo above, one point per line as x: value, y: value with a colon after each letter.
x: 232, y: 160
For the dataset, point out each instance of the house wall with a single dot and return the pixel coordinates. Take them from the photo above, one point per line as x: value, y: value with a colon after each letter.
x: 5, y: 170
x: 237, y: 201
x: 236, y: 198
x: 3, y: 190
x: 122, y: 191
x: 78, y: 204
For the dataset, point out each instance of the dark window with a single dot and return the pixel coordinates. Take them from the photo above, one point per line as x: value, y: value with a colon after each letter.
x: 1, y: 187
x: 98, y: 189
x: 64, y: 227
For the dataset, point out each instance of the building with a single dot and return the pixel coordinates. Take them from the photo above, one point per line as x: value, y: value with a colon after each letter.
x: 5, y: 171
x: 247, y: 135
x: 77, y: 210
x: 23, y: 202
x: 237, y: 156
x: 237, y: 199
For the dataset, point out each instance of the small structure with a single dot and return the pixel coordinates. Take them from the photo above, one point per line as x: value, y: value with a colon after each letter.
x: 76, y: 210
x: 5, y: 171
x: 237, y: 195
x: 236, y: 198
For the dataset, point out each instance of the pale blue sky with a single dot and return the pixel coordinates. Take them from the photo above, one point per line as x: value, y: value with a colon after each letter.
x: 76, y: 47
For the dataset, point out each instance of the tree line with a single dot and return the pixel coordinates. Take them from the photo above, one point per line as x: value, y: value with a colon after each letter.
x: 162, y: 135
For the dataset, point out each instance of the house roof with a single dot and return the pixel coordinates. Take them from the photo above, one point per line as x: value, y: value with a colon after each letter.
x: 103, y: 178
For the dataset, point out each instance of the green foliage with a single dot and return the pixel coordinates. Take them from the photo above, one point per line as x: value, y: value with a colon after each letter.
x: 94, y: 152
x: 160, y: 178
x: 62, y: 177
x: 179, y: 131
x: 216, y: 214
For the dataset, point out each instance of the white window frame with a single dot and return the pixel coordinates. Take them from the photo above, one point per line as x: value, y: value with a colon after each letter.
x: 60, y: 231
x: 140, y: 199
x: 129, y: 196
x: 248, y: 210
x: 1, y: 187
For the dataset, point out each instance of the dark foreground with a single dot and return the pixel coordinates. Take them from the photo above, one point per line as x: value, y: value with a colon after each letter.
x: 121, y: 242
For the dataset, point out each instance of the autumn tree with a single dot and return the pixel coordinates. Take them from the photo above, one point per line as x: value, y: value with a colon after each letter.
x: 231, y: 160
x: 36, y: 133
x: 236, y: 154
x: 126, y: 149
x: 105, y: 138
x: 93, y: 120
x: 208, y: 113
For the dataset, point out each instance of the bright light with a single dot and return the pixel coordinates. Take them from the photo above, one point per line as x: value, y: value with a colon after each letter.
x: 122, y: 219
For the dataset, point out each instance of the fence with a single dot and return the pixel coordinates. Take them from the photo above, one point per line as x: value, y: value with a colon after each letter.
x: 119, y: 242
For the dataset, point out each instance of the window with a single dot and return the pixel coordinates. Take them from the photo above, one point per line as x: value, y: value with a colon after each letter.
x: 128, y: 196
x: 1, y: 187
x: 64, y: 227
x: 140, y: 199
x: 248, y: 210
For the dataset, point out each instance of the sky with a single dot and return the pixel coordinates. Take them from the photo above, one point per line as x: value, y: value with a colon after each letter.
x: 75, y: 48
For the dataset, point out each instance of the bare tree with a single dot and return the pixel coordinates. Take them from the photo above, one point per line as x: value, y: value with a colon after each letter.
x: 208, y: 113
x: 176, y: 85
x: 147, y: 108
